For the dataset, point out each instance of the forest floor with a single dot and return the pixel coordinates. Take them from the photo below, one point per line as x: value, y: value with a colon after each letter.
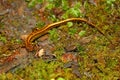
x: 72, y: 51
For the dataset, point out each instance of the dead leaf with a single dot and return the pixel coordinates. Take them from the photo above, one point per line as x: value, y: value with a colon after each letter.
x: 67, y: 57
x: 40, y: 53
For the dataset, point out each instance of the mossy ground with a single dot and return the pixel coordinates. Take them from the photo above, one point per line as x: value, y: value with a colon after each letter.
x: 100, y: 59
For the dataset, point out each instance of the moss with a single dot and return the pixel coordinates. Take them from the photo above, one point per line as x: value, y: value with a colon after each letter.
x: 97, y: 60
x: 3, y: 38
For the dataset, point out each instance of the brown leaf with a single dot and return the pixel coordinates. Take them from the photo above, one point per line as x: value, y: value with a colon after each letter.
x: 67, y: 57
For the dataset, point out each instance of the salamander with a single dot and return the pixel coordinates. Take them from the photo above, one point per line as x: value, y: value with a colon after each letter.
x: 38, y: 33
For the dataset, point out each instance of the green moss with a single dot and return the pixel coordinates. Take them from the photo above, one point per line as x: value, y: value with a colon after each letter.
x: 32, y: 3
x: 40, y: 24
x: 73, y: 12
x: 3, y: 38
x: 69, y: 24
x: 53, y: 35
x: 65, y: 5
x: 72, y: 31
x: 82, y: 33
x: 41, y: 70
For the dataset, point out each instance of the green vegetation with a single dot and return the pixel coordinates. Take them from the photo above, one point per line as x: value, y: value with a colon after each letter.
x: 82, y: 33
x: 69, y: 24
x: 40, y: 70
x: 73, y: 11
x: 3, y: 39
x: 54, y: 35
x: 40, y: 24
x: 32, y: 3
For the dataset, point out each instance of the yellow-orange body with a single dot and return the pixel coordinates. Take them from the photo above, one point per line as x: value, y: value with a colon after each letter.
x: 38, y: 33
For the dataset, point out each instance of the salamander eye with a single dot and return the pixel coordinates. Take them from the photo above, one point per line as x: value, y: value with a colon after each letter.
x: 35, y: 29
